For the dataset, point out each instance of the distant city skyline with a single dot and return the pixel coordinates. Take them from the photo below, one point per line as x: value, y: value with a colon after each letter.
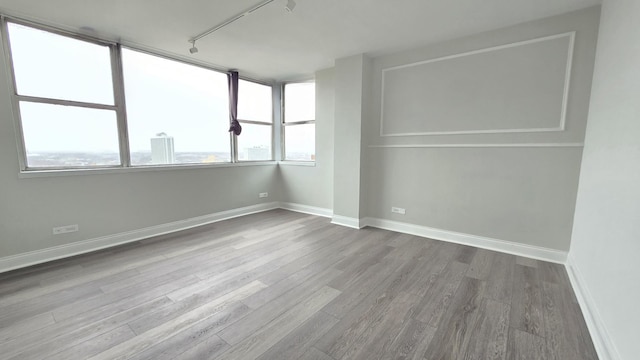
x: 87, y: 159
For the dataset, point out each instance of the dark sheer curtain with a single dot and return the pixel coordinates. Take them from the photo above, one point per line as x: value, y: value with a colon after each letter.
x: 232, y: 80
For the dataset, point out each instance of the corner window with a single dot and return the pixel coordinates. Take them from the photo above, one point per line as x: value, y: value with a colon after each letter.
x: 255, y: 114
x: 299, y: 121
x: 65, y: 98
x: 84, y: 103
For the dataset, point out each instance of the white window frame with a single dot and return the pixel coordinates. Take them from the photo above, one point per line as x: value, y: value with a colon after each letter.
x: 119, y: 107
x: 118, y: 96
x: 255, y: 122
x: 284, y: 123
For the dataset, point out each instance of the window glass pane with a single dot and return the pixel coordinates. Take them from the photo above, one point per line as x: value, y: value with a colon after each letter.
x: 254, y: 101
x: 176, y: 113
x: 299, y: 102
x: 59, y: 67
x: 68, y: 136
x: 255, y: 142
x: 300, y: 142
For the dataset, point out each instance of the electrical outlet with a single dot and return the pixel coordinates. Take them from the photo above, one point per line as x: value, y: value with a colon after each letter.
x: 65, y: 229
x: 263, y: 195
x: 398, y: 210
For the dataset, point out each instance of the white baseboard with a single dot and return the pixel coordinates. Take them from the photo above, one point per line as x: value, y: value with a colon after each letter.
x: 508, y: 247
x: 601, y: 339
x: 306, y: 209
x: 347, y: 221
x: 81, y: 247
x: 599, y: 334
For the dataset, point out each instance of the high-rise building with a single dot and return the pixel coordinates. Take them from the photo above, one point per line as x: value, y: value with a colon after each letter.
x: 162, y: 151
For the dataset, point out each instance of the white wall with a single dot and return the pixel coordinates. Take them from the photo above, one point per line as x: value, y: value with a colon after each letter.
x: 113, y: 203
x: 513, y: 87
x: 313, y: 186
x: 350, y: 112
x: 522, y: 194
x: 606, y: 233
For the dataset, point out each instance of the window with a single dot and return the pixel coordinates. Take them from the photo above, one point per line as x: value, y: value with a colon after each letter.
x: 176, y: 113
x: 299, y: 121
x: 255, y: 114
x: 66, y: 101
x: 85, y: 103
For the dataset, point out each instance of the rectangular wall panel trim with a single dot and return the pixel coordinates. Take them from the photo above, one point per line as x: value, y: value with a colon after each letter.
x: 502, y: 102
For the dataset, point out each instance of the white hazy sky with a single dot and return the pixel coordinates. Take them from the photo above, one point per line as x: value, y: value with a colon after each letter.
x: 186, y: 102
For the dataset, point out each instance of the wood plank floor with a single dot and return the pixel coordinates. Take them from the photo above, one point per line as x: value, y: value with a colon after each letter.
x: 283, y: 285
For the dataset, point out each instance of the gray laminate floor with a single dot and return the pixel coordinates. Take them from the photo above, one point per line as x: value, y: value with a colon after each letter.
x: 283, y: 285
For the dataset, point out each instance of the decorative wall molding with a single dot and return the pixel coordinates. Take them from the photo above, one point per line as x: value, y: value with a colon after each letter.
x: 63, y: 251
x: 347, y: 221
x: 563, y: 111
x: 474, y: 132
x: 511, y: 145
x: 599, y: 334
x: 534, y: 252
x: 306, y: 209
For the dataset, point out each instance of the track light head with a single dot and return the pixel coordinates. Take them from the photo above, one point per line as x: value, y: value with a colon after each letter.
x: 291, y: 4
x: 194, y: 49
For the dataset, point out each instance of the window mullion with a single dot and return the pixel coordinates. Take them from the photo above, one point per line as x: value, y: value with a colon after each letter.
x: 255, y: 122
x: 22, y: 148
x: 234, y: 147
x: 278, y: 148
x: 120, y: 103
x: 302, y: 122
x: 44, y: 100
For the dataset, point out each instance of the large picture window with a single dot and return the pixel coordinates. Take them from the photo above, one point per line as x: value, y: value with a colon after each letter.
x: 86, y: 103
x: 66, y: 101
x: 299, y: 121
x: 176, y: 113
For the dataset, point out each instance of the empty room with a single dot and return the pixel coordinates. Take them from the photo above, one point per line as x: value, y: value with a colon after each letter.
x: 298, y: 179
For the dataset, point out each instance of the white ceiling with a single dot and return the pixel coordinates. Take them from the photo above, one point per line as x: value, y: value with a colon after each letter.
x: 272, y: 44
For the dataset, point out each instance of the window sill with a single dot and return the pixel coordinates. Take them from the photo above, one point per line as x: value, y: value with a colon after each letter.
x: 120, y: 170
x: 297, y: 163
